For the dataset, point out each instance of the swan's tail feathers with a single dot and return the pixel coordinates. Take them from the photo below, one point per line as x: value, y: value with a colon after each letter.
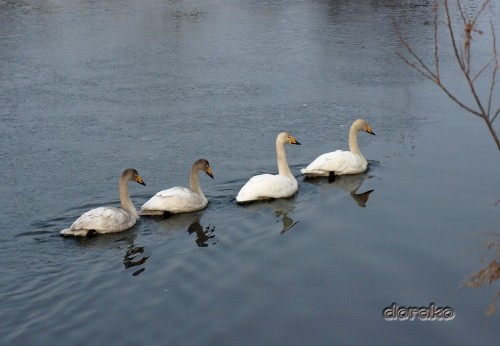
x: 74, y: 233
x: 314, y: 173
x: 146, y: 212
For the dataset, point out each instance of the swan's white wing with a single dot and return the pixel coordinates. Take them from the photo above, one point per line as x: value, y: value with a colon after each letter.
x: 267, y: 186
x: 340, y: 162
x: 101, y: 220
x: 174, y: 200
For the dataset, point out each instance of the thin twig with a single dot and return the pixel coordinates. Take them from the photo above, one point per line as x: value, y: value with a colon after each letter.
x: 452, y: 35
x: 429, y: 76
x: 436, y: 46
x: 495, y: 116
x: 495, y: 69
x: 483, y: 7
x: 457, y: 101
x: 482, y: 70
x: 464, y: 15
x: 464, y: 67
x: 467, y: 35
x: 415, y: 56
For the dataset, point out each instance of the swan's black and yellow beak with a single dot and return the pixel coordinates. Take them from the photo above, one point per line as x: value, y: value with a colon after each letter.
x: 139, y: 180
x: 293, y: 141
x: 369, y: 130
x: 209, y: 172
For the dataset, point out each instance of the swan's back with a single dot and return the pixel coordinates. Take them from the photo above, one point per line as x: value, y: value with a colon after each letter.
x: 340, y: 162
x: 267, y: 186
x: 174, y: 200
x: 101, y: 220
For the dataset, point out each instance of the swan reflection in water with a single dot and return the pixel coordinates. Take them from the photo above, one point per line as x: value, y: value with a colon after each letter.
x: 347, y: 183
x: 134, y: 254
x: 176, y: 223
x: 282, y: 208
x: 489, y: 273
x: 202, y: 235
x: 134, y: 257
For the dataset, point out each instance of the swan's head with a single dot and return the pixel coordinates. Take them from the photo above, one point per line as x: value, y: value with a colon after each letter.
x: 203, y: 165
x: 132, y: 175
x: 286, y: 138
x: 362, y: 125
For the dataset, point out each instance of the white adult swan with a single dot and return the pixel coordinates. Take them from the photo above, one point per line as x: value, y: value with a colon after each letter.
x: 267, y: 186
x: 342, y: 162
x: 180, y: 199
x: 109, y: 219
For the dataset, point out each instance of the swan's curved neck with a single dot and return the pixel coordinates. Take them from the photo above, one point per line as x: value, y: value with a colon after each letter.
x: 194, y: 181
x: 353, y: 141
x: 125, y: 201
x: 283, y: 168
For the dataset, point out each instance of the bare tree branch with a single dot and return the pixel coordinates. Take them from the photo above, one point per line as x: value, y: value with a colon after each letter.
x: 481, y: 10
x: 423, y: 67
x: 463, y: 56
x: 457, y: 101
x: 428, y: 75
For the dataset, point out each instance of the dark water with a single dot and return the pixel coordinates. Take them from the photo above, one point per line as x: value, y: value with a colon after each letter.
x: 88, y: 88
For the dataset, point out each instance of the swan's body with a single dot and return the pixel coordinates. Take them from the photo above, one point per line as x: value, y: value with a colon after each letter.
x: 339, y: 162
x: 174, y: 200
x: 342, y: 162
x: 180, y: 199
x: 109, y: 219
x: 268, y: 186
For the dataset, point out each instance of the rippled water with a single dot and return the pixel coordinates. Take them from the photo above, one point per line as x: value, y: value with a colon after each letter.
x: 89, y: 88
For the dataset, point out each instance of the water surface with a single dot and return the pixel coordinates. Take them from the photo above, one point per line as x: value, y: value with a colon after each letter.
x: 91, y: 88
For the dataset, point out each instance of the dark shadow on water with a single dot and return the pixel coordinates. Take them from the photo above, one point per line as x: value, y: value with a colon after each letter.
x: 45, y: 229
x: 40, y: 236
x: 350, y: 184
x: 283, y: 209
